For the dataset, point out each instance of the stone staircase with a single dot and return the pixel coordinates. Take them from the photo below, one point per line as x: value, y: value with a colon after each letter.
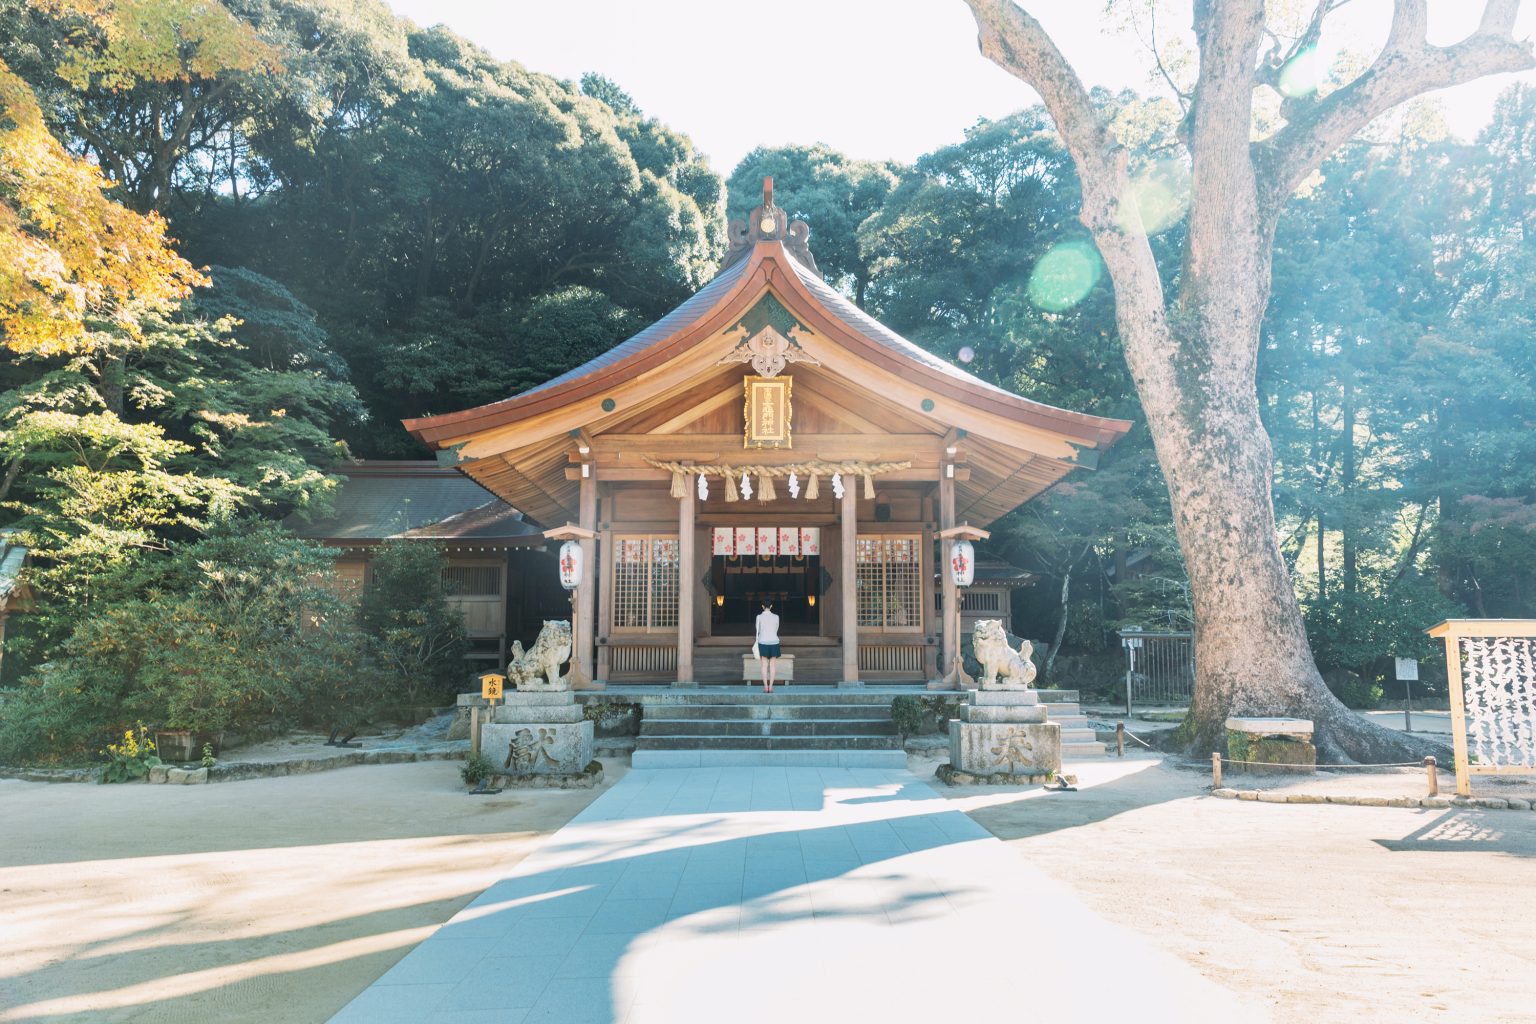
x: 816, y: 663
x: 1077, y: 736
x: 790, y: 726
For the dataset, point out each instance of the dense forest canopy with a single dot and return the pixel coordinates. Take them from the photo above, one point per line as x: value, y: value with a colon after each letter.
x: 337, y: 219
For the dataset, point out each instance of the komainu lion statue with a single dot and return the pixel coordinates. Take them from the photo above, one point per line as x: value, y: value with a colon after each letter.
x: 1002, y: 667
x: 539, y: 667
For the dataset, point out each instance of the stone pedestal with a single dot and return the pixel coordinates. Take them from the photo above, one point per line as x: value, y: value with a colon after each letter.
x: 1002, y: 736
x: 1271, y: 746
x: 538, y: 733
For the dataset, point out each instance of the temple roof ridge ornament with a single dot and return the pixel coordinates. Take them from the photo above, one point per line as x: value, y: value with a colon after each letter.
x: 769, y: 223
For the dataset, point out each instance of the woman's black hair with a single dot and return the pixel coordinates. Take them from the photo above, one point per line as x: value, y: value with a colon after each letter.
x: 767, y: 602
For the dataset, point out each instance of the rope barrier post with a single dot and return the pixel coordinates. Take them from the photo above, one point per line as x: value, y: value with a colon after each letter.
x: 1215, y: 769
x: 1433, y: 775
x: 1120, y: 739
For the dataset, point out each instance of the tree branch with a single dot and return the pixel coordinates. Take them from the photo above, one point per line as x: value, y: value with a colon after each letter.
x: 1016, y: 42
x: 1406, y: 67
x: 1279, y: 56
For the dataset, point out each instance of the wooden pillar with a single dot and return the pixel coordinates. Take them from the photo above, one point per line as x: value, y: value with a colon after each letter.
x: 582, y: 636
x: 848, y: 583
x: 949, y: 613
x: 686, y: 587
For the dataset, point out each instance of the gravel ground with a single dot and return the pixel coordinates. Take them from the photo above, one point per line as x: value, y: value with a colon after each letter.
x: 1330, y: 913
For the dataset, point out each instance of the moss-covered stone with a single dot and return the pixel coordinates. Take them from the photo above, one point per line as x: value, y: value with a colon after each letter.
x: 1269, y: 755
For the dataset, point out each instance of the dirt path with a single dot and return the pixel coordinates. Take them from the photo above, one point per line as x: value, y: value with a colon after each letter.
x: 1332, y: 913
x: 280, y: 899
x: 271, y: 900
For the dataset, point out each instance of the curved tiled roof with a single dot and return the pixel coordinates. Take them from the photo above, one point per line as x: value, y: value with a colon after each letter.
x: 692, y: 309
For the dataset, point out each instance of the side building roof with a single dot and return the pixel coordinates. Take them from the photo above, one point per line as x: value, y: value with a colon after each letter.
x: 385, y: 500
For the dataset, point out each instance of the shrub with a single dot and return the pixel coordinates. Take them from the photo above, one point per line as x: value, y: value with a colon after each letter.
x: 240, y: 630
x: 907, y: 715
x: 476, y: 769
x: 59, y: 713
x: 415, y: 637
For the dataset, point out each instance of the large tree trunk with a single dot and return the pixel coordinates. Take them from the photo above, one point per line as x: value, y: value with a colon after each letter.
x: 1194, y: 360
x: 1251, y: 651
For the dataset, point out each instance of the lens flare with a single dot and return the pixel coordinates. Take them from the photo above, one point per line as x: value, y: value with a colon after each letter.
x: 1303, y: 73
x: 967, y: 354
x: 1064, y: 276
x: 1160, y: 195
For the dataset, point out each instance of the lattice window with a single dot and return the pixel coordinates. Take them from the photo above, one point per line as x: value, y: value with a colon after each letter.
x: 981, y: 601
x: 473, y: 580
x: 890, y: 582
x: 645, y: 582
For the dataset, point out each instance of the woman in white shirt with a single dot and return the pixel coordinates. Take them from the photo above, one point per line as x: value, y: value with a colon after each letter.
x: 768, y: 649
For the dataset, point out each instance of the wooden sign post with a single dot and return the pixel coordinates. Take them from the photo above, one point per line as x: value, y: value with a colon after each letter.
x: 490, y: 691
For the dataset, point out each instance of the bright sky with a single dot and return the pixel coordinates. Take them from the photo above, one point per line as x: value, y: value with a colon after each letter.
x: 874, y: 78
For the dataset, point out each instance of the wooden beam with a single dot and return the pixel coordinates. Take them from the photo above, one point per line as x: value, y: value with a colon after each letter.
x: 698, y: 411
x: 848, y: 585
x: 810, y: 398
x: 872, y: 447
x: 947, y: 615
x: 687, y: 584
x: 570, y: 531
x: 636, y: 473
x: 583, y: 636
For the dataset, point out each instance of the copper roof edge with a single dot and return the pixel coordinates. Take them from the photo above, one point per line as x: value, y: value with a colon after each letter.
x: 1096, y: 431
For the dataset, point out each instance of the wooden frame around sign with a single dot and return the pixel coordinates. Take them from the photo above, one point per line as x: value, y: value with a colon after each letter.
x: 766, y: 412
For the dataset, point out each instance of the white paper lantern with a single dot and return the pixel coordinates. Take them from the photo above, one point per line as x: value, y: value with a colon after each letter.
x: 570, y: 565
x: 962, y: 563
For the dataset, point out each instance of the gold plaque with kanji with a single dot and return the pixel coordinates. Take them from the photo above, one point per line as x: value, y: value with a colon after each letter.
x: 767, y: 412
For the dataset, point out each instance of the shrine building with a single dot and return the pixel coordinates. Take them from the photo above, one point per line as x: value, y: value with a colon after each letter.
x: 765, y: 439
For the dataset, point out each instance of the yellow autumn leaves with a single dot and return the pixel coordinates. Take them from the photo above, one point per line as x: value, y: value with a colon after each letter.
x: 68, y: 253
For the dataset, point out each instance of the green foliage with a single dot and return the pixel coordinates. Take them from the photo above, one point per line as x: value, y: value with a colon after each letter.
x: 609, y: 713
x: 910, y: 713
x: 415, y: 636
x: 832, y: 193
x: 476, y: 769
x: 942, y: 709
x: 907, y: 716
x: 1354, y: 690
x: 61, y: 712
x: 240, y: 630
x: 131, y: 759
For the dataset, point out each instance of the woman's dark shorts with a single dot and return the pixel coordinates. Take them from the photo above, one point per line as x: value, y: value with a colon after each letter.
x: 769, y: 650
